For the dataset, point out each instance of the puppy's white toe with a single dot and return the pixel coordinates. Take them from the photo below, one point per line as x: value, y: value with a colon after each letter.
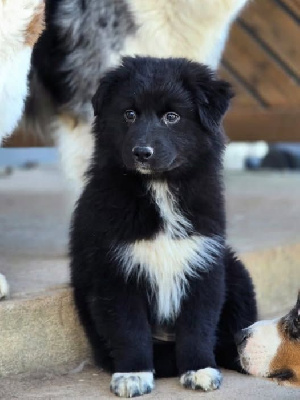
x: 4, y: 288
x: 205, y: 379
x: 131, y: 384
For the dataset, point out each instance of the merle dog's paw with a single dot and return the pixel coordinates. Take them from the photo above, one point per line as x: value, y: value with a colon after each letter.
x: 4, y: 288
x: 131, y: 384
x: 205, y: 379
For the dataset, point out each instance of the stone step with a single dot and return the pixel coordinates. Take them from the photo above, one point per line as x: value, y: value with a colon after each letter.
x: 38, y: 324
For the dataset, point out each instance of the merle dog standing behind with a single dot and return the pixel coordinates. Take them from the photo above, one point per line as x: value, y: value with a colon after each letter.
x: 148, y: 251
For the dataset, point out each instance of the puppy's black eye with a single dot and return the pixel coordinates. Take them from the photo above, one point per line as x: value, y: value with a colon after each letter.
x: 171, y: 118
x: 130, y: 116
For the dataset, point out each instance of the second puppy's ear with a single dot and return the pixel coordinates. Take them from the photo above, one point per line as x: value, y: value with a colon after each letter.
x: 213, y: 99
x: 295, y: 325
x: 291, y: 322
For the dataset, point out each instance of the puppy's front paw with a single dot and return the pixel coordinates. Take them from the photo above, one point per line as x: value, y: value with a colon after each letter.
x: 131, y: 384
x: 205, y: 379
x: 4, y: 288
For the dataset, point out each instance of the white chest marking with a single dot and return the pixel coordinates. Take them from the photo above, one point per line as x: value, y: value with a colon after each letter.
x: 168, y: 259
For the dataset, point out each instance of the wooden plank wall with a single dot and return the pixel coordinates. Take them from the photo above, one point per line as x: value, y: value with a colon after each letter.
x: 262, y: 61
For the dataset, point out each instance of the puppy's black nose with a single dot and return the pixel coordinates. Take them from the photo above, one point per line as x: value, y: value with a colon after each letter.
x: 241, y: 336
x: 142, y: 153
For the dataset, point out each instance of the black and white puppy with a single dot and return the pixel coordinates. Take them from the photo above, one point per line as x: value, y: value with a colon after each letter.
x: 156, y: 288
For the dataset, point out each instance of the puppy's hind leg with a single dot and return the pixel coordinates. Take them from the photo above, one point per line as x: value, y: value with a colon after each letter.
x: 100, y: 352
x: 239, y: 311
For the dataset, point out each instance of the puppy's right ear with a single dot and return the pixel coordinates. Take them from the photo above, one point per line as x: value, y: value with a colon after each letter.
x: 107, y: 83
x: 100, y: 95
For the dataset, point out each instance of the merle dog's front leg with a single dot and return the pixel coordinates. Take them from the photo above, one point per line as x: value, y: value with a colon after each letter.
x: 196, y: 328
x: 122, y: 317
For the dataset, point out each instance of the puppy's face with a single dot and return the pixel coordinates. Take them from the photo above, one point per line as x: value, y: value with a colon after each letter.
x: 155, y: 116
x: 271, y: 349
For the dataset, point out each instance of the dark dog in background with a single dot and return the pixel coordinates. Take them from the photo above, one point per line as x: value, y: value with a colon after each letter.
x: 148, y: 243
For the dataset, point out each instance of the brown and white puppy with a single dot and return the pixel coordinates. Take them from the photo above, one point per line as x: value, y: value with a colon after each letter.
x: 21, y: 22
x: 271, y: 349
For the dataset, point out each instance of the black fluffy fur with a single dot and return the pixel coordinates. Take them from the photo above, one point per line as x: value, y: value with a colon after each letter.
x: 116, y: 208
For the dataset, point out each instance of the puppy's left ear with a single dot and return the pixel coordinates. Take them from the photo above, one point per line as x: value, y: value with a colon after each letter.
x: 213, y: 100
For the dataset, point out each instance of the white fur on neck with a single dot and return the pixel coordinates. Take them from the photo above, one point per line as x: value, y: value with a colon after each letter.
x: 171, y: 257
x: 175, y: 224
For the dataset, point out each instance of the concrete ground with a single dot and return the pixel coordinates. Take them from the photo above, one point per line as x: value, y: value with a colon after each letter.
x: 38, y: 325
x: 93, y: 384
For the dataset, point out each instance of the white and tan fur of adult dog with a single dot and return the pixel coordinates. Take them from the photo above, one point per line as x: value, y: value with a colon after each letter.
x: 21, y: 22
x: 195, y: 29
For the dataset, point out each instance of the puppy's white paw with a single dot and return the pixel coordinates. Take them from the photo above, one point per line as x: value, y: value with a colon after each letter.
x: 205, y: 379
x: 131, y: 384
x: 4, y: 288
